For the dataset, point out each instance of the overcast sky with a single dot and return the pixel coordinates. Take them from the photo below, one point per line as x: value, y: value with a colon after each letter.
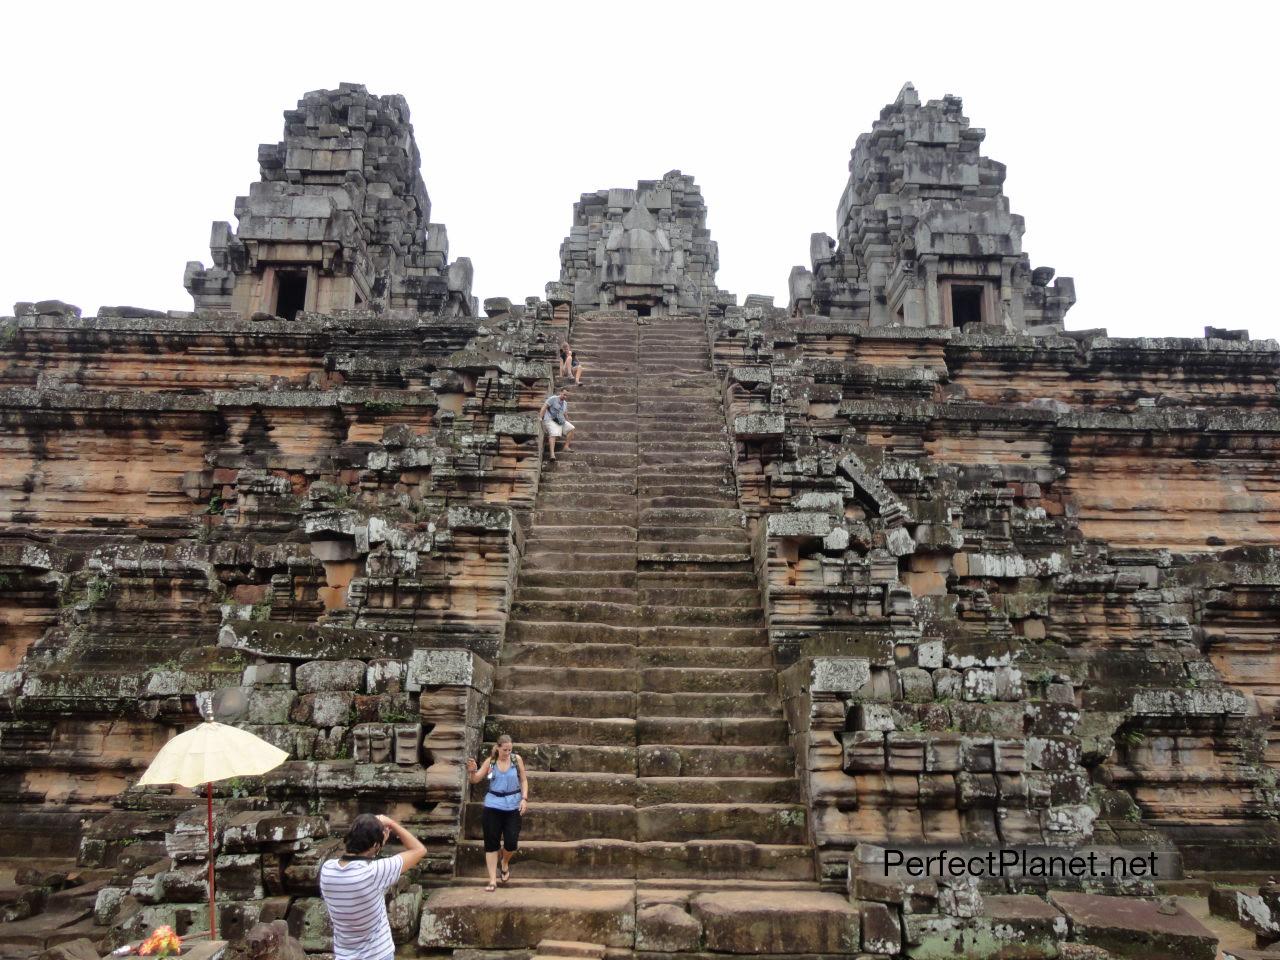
x: 1139, y: 137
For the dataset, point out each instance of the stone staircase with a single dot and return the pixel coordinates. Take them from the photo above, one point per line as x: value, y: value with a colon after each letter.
x: 636, y: 677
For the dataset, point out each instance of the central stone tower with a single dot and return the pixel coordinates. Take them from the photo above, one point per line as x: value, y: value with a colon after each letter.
x: 646, y: 249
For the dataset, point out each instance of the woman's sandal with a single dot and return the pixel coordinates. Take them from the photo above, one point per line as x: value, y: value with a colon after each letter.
x: 504, y: 876
x: 490, y: 887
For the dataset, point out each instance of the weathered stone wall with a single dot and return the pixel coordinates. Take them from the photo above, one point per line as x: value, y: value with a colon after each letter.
x: 1020, y: 609
x: 322, y: 519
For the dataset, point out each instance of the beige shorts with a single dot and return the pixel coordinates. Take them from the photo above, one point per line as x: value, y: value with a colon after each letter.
x: 554, y: 429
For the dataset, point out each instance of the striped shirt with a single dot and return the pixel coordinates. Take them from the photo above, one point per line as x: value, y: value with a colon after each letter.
x: 356, y: 898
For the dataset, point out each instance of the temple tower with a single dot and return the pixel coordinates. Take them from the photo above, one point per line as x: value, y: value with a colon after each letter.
x: 925, y: 236
x: 340, y: 220
x: 646, y: 249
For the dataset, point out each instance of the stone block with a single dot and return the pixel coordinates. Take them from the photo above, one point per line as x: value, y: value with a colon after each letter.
x: 881, y: 928
x: 917, y: 685
x: 666, y: 928
x: 239, y: 876
x: 404, y: 913
x: 385, y: 676
x: 786, y: 922
x: 269, y: 705
x: 407, y: 743
x: 1035, y: 926
x: 268, y: 675
x: 519, y: 918
x: 371, y: 743
x: 905, y: 753
x: 948, y: 684
x: 840, y: 675
x: 324, y: 710
x: 318, y: 676
x: 864, y: 751
x: 308, y: 922
x: 439, y: 668
x: 1130, y: 927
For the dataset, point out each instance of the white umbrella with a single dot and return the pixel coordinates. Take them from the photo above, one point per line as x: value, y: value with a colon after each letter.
x: 212, y: 751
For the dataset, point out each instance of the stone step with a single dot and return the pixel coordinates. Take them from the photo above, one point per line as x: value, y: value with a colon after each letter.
x: 555, y: 559
x: 573, y: 758
x: 718, y: 500
x: 578, y: 545
x: 734, y: 703
x: 724, y: 658
x: 565, y: 677
x: 678, y: 517
x: 680, y: 732
x: 712, y: 731
x: 551, y: 578
x: 572, y: 948
x: 607, y: 519
x: 591, y: 732
x: 589, y: 703
x: 651, y: 563
x: 585, y: 594
x: 699, y: 576
x: 690, y: 679
x: 570, y: 498
x: 626, y: 859
x: 705, y: 597
x: 521, y: 630
x: 626, y: 614
x: 702, y: 790
x: 763, y: 823
x: 696, y: 578
x: 664, y: 549
x: 569, y: 675
x: 626, y: 788
x: 624, y: 656
x: 570, y: 526
x: 759, y: 823
x: 514, y: 918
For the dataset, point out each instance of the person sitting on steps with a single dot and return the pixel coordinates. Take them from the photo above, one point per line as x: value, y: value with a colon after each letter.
x: 572, y: 367
x: 504, y: 804
x: 554, y: 420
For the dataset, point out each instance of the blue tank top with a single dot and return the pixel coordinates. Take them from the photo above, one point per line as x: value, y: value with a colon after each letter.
x: 504, y: 788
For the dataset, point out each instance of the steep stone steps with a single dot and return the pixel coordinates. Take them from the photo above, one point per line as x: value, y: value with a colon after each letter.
x: 636, y: 676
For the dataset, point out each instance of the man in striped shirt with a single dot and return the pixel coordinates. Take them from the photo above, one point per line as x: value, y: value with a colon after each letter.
x: 355, y: 885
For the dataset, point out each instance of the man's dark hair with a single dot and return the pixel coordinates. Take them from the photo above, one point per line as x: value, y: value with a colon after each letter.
x: 365, y: 832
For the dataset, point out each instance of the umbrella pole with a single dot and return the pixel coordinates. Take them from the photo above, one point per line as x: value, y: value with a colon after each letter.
x: 213, y: 932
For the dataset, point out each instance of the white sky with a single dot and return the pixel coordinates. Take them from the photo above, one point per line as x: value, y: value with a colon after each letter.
x: 1139, y: 137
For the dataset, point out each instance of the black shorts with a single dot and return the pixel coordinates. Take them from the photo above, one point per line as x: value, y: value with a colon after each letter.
x: 501, y: 829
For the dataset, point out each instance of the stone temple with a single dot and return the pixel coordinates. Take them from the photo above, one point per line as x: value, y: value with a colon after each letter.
x: 898, y: 568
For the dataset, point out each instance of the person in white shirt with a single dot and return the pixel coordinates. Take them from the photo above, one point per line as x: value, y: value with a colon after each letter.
x: 355, y: 885
x: 555, y: 422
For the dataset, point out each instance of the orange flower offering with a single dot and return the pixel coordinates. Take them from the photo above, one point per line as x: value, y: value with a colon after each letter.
x: 163, y: 942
